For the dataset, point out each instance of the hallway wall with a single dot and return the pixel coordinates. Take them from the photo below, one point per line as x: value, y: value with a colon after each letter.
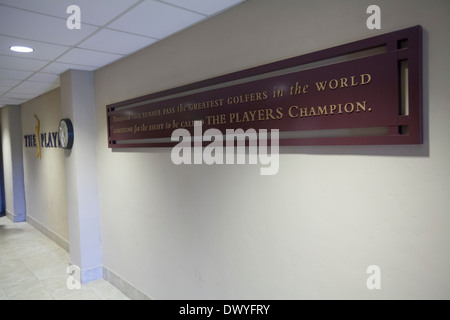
x: 45, y: 178
x: 309, y: 232
x: 11, y: 132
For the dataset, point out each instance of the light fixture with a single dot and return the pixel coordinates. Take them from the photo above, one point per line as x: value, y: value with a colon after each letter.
x: 21, y: 49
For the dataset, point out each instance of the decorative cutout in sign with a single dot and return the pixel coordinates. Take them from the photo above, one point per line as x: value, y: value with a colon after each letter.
x: 363, y: 93
x: 38, y: 135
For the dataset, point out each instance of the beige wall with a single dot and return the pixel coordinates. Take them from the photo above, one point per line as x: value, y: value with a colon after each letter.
x: 45, y: 178
x: 311, y: 231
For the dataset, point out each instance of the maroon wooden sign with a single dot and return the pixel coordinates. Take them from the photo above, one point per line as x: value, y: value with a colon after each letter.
x: 362, y: 93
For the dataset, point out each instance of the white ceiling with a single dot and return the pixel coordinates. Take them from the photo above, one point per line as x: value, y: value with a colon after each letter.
x: 110, y: 30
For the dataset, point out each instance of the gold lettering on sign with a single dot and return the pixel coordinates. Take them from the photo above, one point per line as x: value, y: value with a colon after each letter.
x: 298, y: 89
x: 256, y: 115
x: 216, y: 119
x: 349, y: 107
x: 38, y: 135
x: 123, y: 130
x: 353, y: 81
x: 120, y: 118
x: 249, y: 97
x: 140, y: 121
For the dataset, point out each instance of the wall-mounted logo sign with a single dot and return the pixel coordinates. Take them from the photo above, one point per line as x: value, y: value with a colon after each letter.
x: 41, y: 140
x: 363, y: 93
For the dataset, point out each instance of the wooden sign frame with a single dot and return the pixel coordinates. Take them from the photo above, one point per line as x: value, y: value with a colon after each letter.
x: 368, y: 92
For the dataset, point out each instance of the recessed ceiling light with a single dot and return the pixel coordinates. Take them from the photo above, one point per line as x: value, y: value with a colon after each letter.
x: 21, y: 49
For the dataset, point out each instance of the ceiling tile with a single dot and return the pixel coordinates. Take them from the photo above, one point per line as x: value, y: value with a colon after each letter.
x: 38, y: 27
x: 32, y: 87
x: 44, y: 77
x: 127, y: 26
x: 14, y: 74
x: 116, y: 42
x: 58, y: 68
x: 42, y: 51
x: 19, y: 96
x: 97, y: 12
x: 155, y: 19
x: 8, y: 82
x: 207, y: 7
x: 4, y: 89
x: 12, y: 101
x: 88, y: 57
x: 21, y: 64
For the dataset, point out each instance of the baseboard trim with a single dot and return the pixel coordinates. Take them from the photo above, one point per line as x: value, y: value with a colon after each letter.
x: 63, y: 243
x: 91, y: 274
x: 125, y: 287
x: 9, y: 215
x: 15, y: 217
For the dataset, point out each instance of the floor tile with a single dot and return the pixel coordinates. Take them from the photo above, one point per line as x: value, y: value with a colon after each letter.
x: 33, y: 267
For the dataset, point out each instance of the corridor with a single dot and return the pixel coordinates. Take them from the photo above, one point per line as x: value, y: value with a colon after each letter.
x: 33, y: 267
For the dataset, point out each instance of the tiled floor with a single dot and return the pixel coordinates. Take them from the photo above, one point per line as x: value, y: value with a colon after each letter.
x: 34, y: 267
